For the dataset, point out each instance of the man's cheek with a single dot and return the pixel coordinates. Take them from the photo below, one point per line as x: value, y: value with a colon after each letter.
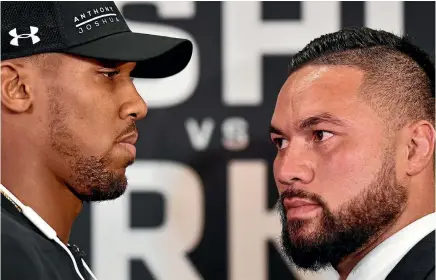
x: 335, y: 183
x: 91, y: 141
x: 344, y: 177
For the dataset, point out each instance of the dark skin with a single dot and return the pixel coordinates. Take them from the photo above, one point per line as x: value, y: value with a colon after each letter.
x: 62, y: 119
x: 323, y: 149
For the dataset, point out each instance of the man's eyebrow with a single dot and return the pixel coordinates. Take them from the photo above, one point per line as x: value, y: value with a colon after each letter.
x: 110, y: 63
x: 320, y: 118
x: 275, y: 130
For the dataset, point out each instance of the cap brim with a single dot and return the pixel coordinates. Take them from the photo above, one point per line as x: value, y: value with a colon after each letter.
x: 156, y: 56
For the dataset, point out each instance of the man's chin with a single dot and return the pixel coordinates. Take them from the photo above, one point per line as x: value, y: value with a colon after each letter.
x: 109, y: 190
x: 121, y: 161
x: 302, y: 242
x: 303, y: 250
x: 115, y: 190
x: 300, y: 230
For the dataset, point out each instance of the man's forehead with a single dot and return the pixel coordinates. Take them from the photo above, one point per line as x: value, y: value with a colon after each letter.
x: 334, y: 77
x: 317, y: 89
x: 301, y: 79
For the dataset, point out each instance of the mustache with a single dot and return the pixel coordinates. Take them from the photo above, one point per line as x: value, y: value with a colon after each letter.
x: 129, y: 129
x: 299, y: 193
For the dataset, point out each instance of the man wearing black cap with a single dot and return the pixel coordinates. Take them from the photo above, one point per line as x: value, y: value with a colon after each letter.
x: 69, y: 109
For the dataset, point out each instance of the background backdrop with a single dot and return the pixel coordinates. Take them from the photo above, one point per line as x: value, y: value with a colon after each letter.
x: 201, y: 199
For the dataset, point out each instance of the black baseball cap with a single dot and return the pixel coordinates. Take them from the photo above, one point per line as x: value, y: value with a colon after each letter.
x: 89, y: 29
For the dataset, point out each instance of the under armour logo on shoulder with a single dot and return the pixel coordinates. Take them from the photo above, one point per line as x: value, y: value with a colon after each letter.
x: 32, y: 35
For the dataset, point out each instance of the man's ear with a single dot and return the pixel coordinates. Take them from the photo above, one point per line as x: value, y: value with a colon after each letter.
x: 420, y: 146
x: 16, y: 95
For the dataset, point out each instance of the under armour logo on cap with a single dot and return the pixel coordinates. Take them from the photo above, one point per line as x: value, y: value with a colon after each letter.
x: 32, y: 35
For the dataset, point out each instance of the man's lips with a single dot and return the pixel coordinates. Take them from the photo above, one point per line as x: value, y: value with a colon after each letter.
x: 129, y: 138
x: 298, y: 208
x: 297, y: 202
x: 128, y: 142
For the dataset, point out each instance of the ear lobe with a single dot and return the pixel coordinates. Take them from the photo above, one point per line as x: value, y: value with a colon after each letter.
x: 15, y: 93
x: 421, y: 146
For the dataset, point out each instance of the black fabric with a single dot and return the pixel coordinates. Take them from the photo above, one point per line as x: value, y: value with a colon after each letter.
x: 431, y: 275
x: 21, y: 16
x: 26, y: 254
x: 418, y: 263
x: 94, y: 29
x: 165, y: 56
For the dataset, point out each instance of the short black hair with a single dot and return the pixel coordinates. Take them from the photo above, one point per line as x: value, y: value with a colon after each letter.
x: 400, y: 76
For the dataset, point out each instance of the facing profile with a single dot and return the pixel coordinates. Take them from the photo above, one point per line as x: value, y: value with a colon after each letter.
x: 354, y: 131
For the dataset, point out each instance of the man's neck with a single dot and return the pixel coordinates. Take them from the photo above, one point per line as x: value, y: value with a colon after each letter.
x: 46, y: 195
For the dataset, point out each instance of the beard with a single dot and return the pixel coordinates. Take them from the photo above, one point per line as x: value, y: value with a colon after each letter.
x: 93, y: 181
x: 340, y: 234
x: 90, y: 177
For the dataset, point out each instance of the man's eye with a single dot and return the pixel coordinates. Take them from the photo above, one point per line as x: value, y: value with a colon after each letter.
x: 321, y: 135
x: 281, y: 143
x: 111, y: 74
